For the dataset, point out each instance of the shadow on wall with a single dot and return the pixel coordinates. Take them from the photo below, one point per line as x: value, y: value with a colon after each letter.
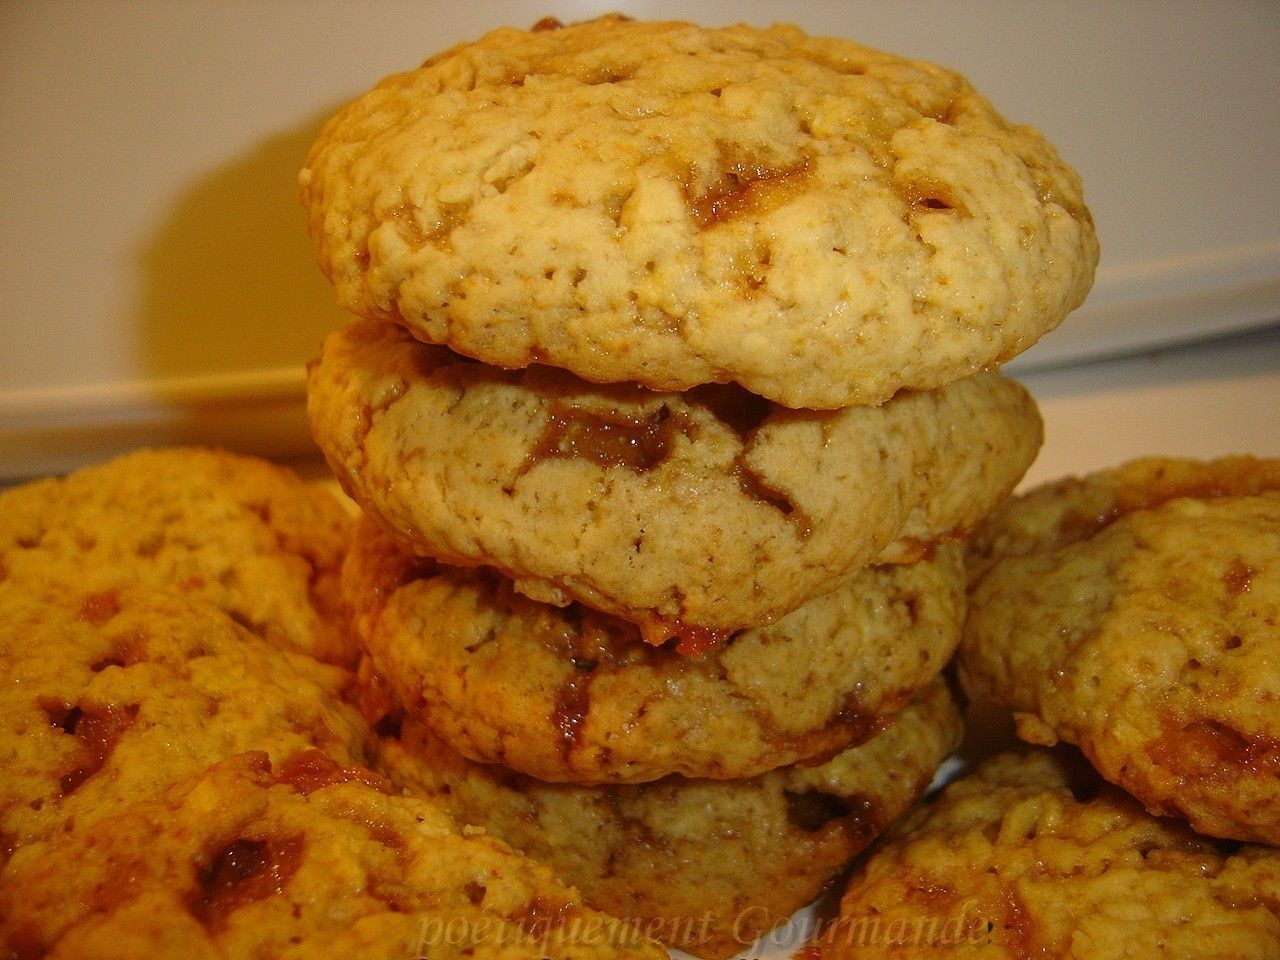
x: 229, y: 283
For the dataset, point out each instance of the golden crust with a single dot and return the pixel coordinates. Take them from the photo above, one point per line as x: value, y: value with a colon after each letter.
x: 708, y: 511
x: 1010, y: 862
x: 109, y: 696
x: 247, y: 536
x: 565, y: 694
x: 735, y: 858
x: 1133, y: 613
x: 660, y: 203
x: 238, y: 862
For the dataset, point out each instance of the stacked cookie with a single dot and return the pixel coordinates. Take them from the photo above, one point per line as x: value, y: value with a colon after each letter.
x: 671, y: 399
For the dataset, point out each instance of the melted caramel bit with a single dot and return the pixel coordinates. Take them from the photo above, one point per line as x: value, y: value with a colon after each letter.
x: 123, y: 650
x: 861, y: 724
x: 545, y: 24
x: 608, y: 439
x: 813, y: 809
x: 98, y: 608
x: 1238, y: 577
x: 738, y: 409
x: 540, y: 916
x: 570, y: 711
x: 1231, y: 479
x: 1018, y: 928
x: 243, y: 872
x: 1206, y: 750
x: 754, y: 486
x: 931, y: 195
x: 745, y: 189
x: 97, y: 729
x: 310, y: 770
x: 691, y: 640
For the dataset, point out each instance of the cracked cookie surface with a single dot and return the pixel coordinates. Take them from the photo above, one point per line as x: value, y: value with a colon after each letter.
x: 243, y: 861
x: 690, y: 514
x: 659, y: 203
x: 108, y: 697
x: 735, y: 857
x: 1032, y: 856
x: 567, y: 694
x: 1133, y: 612
x: 247, y: 536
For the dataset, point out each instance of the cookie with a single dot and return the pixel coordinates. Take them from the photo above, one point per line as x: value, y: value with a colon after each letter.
x: 691, y: 514
x: 247, y: 536
x: 659, y: 203
x: 735, y: 858
x: 241, y: 861
x: 1133, y: 613
x: 566, y: 694
x: 107, y: 697
x: 1031, y: 857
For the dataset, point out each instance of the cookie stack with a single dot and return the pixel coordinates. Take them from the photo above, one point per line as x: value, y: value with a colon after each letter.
x: 671, y: 397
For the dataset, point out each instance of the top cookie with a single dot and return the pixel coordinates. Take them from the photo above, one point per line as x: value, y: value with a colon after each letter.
x: 655, y: 202
x: 253, y: 539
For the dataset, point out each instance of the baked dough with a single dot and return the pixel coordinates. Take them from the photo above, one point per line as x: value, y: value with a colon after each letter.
x: 1133, y: 612
x: 735, y: 858
x: 293, y: 864
x: 566, y: 694
x: 252, y: 538
x: 692, y: 515
x: 671, y: 205
x: 1032, y: 856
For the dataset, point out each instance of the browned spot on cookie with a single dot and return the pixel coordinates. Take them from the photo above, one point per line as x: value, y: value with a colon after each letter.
x: 614, y: 439
x: 98, y: 608
x: 745, y: 189
x: 310, y: 770
x: 1238, y: 577
x: 97, y: 730
x: 243, y: 872
x: 569, y: 712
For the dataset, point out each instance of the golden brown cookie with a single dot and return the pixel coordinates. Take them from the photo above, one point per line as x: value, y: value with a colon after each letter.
x: 707, y: 865
x: 1031, y: 856
x: 566, y: 694
x: 660, y: 203
x: 240, y: 862
x: 1133, y: 612
x: 108, y: 697
x: 243, y: 534
x: 691, y: 514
